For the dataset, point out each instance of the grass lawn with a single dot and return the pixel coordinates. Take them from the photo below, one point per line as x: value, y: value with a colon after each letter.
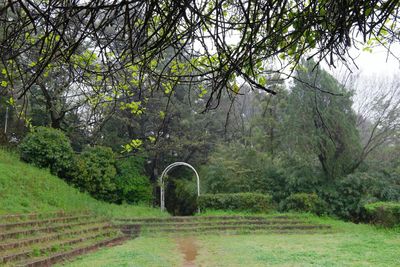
x: 341, y: 249
x: 348, y: 245
x: 143, y: 251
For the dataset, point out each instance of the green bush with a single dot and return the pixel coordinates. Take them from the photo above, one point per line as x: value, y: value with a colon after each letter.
x: 131, y: 184
x: 253, y: 202
x: 307, y: 202
x: 384, y: 213
x: 347, y: 196
x: 47, y: 148
x: 95, y: 173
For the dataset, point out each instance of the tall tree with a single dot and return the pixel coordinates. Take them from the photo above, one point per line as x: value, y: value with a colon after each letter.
x: 378, y: 112
x: 321, y: 122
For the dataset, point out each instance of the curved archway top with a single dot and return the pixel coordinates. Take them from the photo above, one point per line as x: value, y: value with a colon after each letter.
x: 165, y: 172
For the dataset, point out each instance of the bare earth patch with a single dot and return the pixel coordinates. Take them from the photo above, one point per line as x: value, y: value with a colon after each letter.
x: 188, y: 247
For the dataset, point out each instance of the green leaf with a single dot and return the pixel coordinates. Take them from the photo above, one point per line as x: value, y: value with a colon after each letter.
x: 136, y: 143
x: 162, y: 114
x: 235, y: 88
x: 262, y: 81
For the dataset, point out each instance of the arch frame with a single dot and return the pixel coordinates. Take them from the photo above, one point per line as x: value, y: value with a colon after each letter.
x: 165, y: 172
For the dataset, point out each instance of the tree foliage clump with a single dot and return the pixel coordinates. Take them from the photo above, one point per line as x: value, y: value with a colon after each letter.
x: 48, y: 148
x: 321, y: 120
x: 95, y: 173
x: 236, y: 168
x: 132, y: 186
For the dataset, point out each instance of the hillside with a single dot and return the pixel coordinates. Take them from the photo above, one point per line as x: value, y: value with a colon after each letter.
x: 25, y: 189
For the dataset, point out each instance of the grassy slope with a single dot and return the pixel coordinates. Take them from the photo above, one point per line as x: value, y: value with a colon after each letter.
x: 349, y: 245
x: 25, y: 189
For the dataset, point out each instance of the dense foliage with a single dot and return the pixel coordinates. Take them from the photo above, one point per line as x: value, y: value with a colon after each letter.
x: 253, y: 202
x: 303, y: 202
x: 308, y: 147
x: 322, y: 122
x: 236, y: 168
x: 95, y: 172
x: 305, y: 145
x: 181, y: 197
x: 132, y: 185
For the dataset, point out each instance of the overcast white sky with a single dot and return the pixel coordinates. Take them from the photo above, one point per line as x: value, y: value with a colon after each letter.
x: 378, y: 62
x: 371, y: 64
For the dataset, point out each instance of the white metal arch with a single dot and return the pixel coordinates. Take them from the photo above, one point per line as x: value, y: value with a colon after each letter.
x: 165, y: 172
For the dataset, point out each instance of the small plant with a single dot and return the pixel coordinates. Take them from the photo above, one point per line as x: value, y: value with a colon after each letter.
x: 36, y: 252
x: 55, y: 248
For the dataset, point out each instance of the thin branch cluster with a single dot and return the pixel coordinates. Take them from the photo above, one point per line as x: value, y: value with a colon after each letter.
x: 141, y: 45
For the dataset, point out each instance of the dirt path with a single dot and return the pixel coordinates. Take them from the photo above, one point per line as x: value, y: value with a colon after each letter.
x: 188, y: 247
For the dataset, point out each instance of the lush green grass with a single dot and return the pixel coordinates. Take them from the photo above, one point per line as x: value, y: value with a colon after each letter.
x: 25, y: 189
x: 362, y: 246
x: 143, y: 251
x: 348, y: 245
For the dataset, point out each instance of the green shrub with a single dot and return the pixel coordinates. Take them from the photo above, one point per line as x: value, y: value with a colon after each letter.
x: 384, y: 213
x: 95, y: 173
x: 47, y: 148
x: 253, y: 202
x: 307, y: 202
x: 347, y: 196
x: 131, y: 184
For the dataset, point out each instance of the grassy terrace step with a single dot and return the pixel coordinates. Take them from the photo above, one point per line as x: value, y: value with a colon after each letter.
x: 47, y: 229
x: 233, y: 227
x: 8, y: 226
x: 210, y: 223
x: 76, y: 251
x: 241, y: 231
x: 39, y: 216
x: 17, y: 243
x: 232, y: 230
x: 52, y: 247
x: 201, y: 218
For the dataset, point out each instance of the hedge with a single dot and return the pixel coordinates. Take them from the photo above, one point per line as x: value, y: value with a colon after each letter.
x: 253, y: 202
x: 384, y: 213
